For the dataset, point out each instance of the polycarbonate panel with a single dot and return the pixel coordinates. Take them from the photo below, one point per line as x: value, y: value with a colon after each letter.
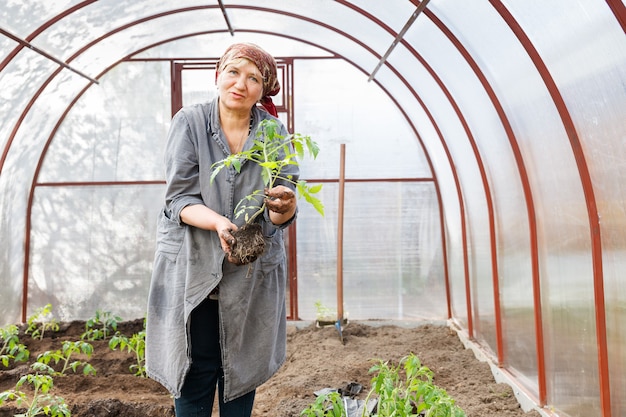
x: 19, y: 169
x: 433, y: 143
x: 456, y: 272
x: 615, y: 292
x: 420, y: 85
x: 390, y: 272
x: 512, y: 249
x: 119, y: 45
x: 329, y: 36
x: 6, y: 46
x: 371, y: 153
x: 590, y: 62
x: 301, y: 18
x: 479, y: 259
x: 37, y: 125
x: 465, y: 163
x: 395, y: 17
x: 117, y: 129
x: 21, y: 21
x: 213, y: 45
x: 379, y: 144
x: 565, y: 265
x: 17, y: 90
x: 92, y: 249
x: 437, y: 156
x: 12, y: 259
x: 103, y: 17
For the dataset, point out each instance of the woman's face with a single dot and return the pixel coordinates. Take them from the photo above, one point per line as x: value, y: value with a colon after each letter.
x: 240, y: 85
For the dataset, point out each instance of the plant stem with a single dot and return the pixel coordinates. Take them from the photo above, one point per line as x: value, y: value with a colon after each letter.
x: 33, y: 403
x: 256, y: 213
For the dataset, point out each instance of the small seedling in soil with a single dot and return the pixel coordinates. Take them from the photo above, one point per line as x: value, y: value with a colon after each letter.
x: 136, y: 344
x: 41, y: 321
x: 11, y: 347
x: 41, y: 402
x: 326, y: 405
x: 325, y: 316
x: 101, y: 326
x: 64, y: 356
x: 273, y: 153
x: 415, y: 395
x: 323, y: 313
x: 405, y: 390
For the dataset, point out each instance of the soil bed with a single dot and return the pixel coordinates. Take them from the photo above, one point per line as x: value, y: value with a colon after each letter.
x: 316, y: 359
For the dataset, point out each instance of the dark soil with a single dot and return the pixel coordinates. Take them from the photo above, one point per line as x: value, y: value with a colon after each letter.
x: 249, y: 244
x: 316, y: 359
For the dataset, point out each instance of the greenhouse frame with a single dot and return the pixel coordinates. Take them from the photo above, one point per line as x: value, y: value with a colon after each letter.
x: 484, y: 144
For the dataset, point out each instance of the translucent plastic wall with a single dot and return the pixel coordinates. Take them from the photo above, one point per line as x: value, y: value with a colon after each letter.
x: 550, y: 186
x: 484, y: 173
x: 92, y: 220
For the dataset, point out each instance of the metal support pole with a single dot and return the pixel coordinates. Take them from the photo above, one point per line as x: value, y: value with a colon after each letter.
x: 399, y: 37
x: 44, y: 53
x: 342, y: 171
x: 230, y: 27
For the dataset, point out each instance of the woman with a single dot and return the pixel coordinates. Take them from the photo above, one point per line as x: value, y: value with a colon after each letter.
x: 211, y: 322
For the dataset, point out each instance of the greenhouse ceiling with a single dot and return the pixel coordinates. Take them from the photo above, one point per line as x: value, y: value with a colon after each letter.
x: 488, y: 136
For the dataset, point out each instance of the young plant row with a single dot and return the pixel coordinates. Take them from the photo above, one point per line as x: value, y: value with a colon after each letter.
x: 404, y: 390
x: 102, y: 326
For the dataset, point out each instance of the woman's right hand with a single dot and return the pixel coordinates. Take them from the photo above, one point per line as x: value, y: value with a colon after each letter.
x: 201, y: 216
x: 224, y: 229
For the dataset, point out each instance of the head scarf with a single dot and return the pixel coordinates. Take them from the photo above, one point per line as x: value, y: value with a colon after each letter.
x: 264, y: 62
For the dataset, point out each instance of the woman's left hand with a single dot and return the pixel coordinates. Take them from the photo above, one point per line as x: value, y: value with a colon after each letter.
x: 280, y: 199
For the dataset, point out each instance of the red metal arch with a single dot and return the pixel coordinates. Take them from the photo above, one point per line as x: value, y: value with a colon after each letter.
x: 590, y: 200
x: 530, y: 206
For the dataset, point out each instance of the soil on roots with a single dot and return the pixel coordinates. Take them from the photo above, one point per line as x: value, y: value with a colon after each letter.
x: 249, y: 244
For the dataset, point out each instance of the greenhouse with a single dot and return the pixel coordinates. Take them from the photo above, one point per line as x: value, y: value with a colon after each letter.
x: 471, y: 163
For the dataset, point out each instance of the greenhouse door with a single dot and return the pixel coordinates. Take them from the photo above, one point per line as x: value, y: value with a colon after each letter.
x: 194, y: 82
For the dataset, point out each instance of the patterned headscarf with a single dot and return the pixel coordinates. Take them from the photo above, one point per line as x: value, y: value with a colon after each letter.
x: 264, y: 62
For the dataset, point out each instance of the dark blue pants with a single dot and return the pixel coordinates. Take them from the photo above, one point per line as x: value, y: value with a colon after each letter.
x: 206, y: 373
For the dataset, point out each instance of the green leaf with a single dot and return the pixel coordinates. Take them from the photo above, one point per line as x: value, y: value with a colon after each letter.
x: 312, y: 147
x: 44, y: 382
x: 315, y: 202
x: 88, y: 369
x: 237, y: 165
x: 216, y: 170
x: 299, y: 149
x: 314, y: 189
x: 266, y: 176
x: 271, y: 165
